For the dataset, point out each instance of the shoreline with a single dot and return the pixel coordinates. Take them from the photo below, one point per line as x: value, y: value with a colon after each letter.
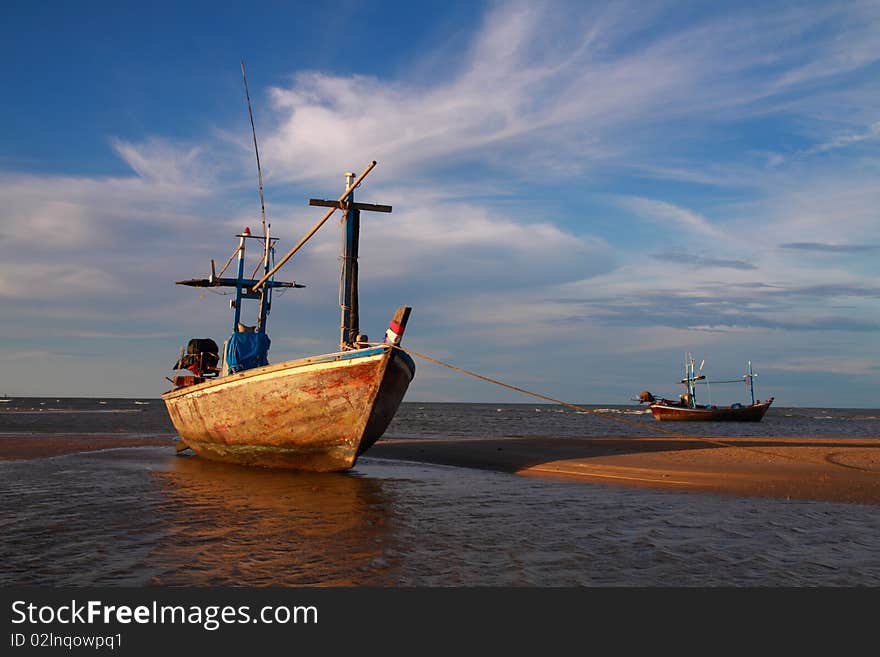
x: 26, y: 447
x: 830, y: 468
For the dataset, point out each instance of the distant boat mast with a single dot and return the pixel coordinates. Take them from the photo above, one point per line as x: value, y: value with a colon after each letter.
x: 752, y: 376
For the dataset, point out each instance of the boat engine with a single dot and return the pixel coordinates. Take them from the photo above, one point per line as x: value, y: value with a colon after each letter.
x: 200, y: 358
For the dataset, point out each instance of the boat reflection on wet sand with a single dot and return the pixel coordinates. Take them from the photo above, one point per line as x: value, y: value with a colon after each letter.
x: 253, y: 527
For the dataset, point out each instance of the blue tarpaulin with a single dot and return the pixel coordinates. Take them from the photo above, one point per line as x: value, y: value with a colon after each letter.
x: 247, y: 350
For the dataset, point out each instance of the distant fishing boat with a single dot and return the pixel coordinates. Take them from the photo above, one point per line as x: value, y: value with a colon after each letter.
x: 5, y: 399
x: 318, y: 413
x: 686, y: 409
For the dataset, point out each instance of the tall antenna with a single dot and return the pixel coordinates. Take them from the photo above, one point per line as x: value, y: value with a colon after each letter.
x: 259, y: 171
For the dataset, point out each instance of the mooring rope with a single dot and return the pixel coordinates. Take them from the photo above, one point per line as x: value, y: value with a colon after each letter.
x: 581, y: 409
x: 605, y: 414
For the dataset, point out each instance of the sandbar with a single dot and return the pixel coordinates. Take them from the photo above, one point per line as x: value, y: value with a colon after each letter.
x: 817, y: 468
x: 18, y: 447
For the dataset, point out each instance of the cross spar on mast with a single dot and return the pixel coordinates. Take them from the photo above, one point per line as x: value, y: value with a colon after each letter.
x: 260, y: 283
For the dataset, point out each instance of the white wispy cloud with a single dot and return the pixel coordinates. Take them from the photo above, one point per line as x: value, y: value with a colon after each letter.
x: 59, y: 212
x: 37, y: 281
x: 176, y: 168
x: 847, y: 139
x: 681, y: 221
x: 534, y: 82
x: 826, y: 364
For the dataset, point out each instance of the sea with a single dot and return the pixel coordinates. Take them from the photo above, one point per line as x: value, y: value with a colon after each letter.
x: 144, y: 516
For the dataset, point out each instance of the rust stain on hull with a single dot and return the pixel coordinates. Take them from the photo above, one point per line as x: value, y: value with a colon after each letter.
x: 308, y: 415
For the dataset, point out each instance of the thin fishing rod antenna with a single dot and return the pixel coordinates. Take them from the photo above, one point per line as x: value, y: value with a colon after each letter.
x: 259, y: 170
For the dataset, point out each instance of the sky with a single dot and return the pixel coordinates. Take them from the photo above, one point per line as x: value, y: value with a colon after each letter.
x: 583, y: 192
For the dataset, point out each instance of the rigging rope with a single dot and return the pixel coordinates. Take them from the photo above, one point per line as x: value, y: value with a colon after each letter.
x: 234, y: 253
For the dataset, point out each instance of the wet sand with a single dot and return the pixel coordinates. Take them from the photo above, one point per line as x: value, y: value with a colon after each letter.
x: 37, y: 446
x: 831, y: 469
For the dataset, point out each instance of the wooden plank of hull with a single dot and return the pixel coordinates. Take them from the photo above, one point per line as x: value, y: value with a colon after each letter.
x: 724, y: 414
x: 313, y: 414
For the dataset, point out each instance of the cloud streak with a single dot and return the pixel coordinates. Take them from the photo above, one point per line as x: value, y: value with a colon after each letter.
x: 549, y: 180
x: 702, y: 262
x: 819, y: 247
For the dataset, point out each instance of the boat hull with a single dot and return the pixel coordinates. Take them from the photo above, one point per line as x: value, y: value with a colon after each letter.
x: 313, y: 414
x: 669, y: 413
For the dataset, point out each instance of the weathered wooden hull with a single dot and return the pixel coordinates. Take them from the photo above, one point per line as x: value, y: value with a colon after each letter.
x: 314, y: 414
x: 752, y: 413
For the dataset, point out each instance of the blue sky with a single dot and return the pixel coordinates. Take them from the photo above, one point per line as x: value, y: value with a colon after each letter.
x: 583, y: 192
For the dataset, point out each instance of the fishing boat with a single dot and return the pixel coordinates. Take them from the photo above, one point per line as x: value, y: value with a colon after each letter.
x: 686, y: 409
x: 317, y: 413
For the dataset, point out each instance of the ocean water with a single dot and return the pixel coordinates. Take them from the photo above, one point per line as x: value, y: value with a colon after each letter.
x: 143, y: 516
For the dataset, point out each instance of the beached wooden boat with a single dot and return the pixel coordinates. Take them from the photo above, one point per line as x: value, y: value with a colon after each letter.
x: 686, y: 409
x: 317, y: 413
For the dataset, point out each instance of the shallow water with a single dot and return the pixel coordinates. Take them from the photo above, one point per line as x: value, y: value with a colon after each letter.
x: 444, y: 420
x: 143, y: 516
x: 543, y: 420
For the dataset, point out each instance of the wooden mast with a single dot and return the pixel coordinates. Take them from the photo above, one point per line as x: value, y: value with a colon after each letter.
x: 692, y: 388
x: 348, y: 278
x: 690, y: 379
x: 348, y: 281
x: 752, y: 383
